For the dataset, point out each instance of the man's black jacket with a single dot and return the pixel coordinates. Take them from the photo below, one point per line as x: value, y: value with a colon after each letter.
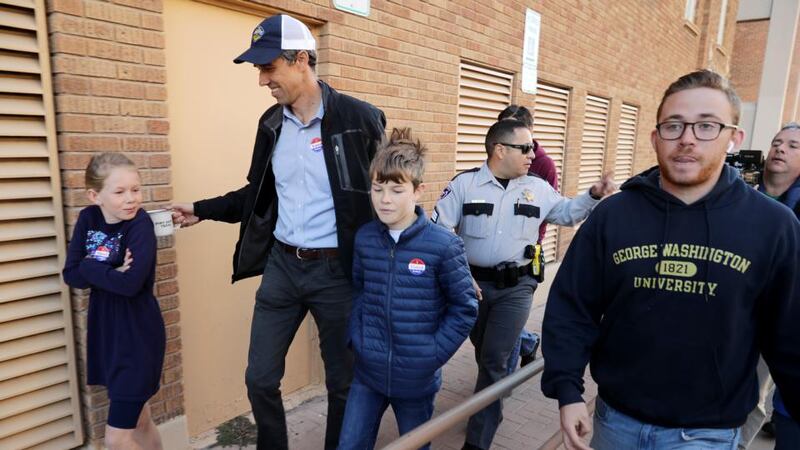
x: 351, y: 132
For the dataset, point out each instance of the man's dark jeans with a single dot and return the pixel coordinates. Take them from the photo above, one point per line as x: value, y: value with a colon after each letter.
x: 289, y: 289
x: 501, y: 315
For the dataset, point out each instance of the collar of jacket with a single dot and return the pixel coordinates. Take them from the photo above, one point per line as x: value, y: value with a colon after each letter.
x: 274, y: 120
x: 414, y: 229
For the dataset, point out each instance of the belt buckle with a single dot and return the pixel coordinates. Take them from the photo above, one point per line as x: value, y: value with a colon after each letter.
x: 297, y: 253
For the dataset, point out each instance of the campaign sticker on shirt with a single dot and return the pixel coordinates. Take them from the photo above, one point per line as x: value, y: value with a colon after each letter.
x: 416, y: 266
x: 316, y: 144
x: 102, y: 253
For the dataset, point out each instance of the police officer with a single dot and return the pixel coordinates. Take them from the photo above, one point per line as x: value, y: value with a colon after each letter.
x: 497, y: 210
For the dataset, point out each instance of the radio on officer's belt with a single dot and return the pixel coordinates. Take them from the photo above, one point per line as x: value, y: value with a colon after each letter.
x: 535, y: 254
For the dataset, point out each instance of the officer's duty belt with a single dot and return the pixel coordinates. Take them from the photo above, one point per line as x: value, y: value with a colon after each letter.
x: 504, y: 275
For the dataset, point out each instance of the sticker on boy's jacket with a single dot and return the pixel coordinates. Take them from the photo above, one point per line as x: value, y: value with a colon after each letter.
x: 416, y: 266
x: 316, y: 144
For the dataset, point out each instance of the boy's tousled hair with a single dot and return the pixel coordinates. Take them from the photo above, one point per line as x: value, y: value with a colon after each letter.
x: 399, y: 159
x: 704, y: 79
x: 100, y: 166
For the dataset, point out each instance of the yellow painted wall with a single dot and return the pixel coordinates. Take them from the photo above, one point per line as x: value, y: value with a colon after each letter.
x: 214, y: 106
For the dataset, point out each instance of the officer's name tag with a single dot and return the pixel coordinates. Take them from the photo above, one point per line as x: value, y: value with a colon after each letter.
x: 477, y: 201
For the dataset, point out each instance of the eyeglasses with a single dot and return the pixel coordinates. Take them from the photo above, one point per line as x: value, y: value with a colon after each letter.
x: 704, y: 131
x: 524, y: 148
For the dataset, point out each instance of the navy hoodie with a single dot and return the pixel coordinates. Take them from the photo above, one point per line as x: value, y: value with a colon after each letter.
x: 671, y: 304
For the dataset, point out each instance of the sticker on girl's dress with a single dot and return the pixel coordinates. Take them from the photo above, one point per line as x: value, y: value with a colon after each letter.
x: 416, y: 266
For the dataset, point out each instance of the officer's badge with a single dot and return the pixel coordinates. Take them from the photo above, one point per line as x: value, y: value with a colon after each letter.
x: 528, y: 195
x: 257, y: 33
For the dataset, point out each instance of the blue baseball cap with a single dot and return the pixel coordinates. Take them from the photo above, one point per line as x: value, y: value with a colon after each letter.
x: 273, y: 35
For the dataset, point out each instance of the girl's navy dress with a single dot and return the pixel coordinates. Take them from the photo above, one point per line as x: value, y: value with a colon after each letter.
x: 126, y: 338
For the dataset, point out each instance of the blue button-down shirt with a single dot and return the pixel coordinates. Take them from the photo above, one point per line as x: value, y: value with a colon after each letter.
x: 305, y: 205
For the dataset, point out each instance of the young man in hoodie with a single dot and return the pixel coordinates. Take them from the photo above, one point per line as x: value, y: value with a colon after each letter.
x: 671, y: 290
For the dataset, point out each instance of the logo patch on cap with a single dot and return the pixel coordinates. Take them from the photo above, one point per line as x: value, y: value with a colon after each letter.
x: 416, y: 266
x: 257, y: 33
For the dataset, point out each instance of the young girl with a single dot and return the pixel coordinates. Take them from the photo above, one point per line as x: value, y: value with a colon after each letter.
x: 113, y: 252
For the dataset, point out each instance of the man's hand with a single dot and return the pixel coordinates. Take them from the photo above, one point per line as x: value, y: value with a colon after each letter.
x: 478, y: 292
x: 603, y: 187
x: 126, y: 263
x: 575, y: 424
x: 183, y: 214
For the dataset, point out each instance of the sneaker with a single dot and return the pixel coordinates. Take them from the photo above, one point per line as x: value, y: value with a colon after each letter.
x: 468, y: 446
x: 769, y: 428
x: 528, y: 358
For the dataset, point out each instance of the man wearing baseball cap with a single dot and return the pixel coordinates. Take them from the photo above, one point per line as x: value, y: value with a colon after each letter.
x: 307, y: 193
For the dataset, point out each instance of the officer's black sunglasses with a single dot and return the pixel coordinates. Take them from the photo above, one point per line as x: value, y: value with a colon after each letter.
x: 524, y: 148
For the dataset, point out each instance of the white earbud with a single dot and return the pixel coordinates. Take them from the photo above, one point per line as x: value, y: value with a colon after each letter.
x: 730, y: 147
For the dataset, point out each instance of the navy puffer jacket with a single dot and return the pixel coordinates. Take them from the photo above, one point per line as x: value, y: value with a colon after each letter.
x: 414, y: 305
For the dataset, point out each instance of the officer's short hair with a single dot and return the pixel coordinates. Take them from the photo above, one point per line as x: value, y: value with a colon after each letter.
x: 704, y: 79
x: 517, y: 112
x: 501, y: 132
x: 401, y: 158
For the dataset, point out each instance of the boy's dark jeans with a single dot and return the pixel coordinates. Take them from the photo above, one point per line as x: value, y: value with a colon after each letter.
x: 365, y: 408
x: 289, y: 289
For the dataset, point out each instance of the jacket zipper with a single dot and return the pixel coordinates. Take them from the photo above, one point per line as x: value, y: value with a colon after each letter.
x: 389, y: 319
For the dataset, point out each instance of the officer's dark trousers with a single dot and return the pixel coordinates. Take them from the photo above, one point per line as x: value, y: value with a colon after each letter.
x: 501, y: 315
x: 289, y: 289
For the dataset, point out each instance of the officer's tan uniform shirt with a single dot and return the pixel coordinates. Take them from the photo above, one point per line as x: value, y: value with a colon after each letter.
x: 496, y: 223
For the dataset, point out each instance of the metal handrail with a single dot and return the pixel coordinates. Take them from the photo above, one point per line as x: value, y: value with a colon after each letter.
x: 426, y: 432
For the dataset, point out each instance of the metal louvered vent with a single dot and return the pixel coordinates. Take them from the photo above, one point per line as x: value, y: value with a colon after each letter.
x: 550, y: 130
x: 626, y: 144
x: 39, y: 405
x: 593, y: 146
x: 482, y: 94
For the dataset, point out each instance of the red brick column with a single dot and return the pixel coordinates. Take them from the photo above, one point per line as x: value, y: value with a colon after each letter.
x: 110, y: 95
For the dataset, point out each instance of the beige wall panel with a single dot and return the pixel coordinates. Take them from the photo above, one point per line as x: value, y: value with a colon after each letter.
x: 214, y: 106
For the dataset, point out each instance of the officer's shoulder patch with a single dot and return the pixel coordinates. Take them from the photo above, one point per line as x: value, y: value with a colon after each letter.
x: 445, y: 192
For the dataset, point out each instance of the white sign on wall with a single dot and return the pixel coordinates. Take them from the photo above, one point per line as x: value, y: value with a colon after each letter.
x: 530, y: 51
x: 360, y: 7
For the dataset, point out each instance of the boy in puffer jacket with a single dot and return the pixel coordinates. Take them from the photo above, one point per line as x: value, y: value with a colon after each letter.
x: 413, y: 300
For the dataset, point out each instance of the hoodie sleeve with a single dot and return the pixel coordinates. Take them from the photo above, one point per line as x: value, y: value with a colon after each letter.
x: 141, y: 241
x: 76, y: 252
x: 572, y: 315
x: 778, y: 318
x: 461, y: 310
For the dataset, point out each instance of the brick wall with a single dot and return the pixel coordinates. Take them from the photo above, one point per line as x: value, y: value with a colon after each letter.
x: 748, y: 53
x: 109, y: 84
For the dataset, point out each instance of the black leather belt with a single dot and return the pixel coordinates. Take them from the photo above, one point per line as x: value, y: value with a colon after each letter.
x: 503, y: 275
x: 309, y: 253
